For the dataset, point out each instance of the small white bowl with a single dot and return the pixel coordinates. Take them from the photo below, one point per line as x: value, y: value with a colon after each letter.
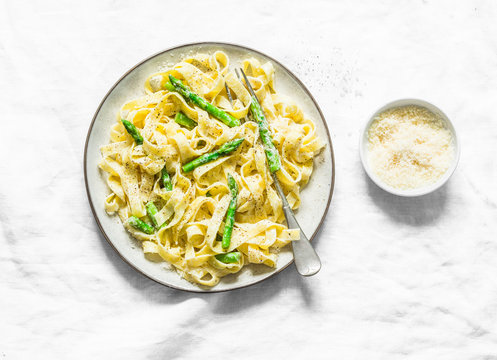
x: 363, y: 146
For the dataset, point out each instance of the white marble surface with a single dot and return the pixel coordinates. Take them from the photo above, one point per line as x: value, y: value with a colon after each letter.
x: 401, y: 278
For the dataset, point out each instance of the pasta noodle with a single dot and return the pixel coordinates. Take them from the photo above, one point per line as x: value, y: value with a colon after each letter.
x: 193, y: 212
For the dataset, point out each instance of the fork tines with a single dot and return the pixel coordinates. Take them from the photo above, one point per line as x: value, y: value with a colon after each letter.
x: 249, y: 87
x: 228, y: 92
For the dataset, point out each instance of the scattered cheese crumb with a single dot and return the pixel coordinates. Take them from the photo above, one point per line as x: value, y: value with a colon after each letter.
x: 409, y: 147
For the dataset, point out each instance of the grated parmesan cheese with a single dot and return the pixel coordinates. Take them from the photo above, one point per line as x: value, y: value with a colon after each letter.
x: 409, y: 147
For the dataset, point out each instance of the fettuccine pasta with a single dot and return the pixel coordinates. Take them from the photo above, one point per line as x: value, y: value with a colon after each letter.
x: 191, y: 215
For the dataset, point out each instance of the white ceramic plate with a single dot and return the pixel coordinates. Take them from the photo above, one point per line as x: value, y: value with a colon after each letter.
x: 315, y: 197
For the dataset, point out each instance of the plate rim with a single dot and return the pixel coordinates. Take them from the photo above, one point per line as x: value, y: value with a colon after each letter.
x: 243, y: 47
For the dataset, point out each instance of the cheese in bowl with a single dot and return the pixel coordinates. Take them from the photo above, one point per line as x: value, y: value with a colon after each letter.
x: 409, y: 149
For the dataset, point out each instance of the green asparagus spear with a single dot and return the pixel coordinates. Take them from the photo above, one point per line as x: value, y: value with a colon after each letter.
x: 169, y: 86
x: 140, y: 225
x: 166, y: 179
x: 273, y: 158
x: 133, y: 131
x: 224, y: 149
x: 229, y: 258
x: 203, y: 104
x: 151, y: 211
x: 230, y: 214
x: 185, y: 121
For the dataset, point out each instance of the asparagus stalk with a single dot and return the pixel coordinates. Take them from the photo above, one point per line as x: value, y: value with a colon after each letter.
x: 151, y: 211
x: 225, y: 149
x: 170, y: 86
x: 133, y: 131
x: 185, y: 121
x: 230, y: 214
x: 166, y: 179
x: 273, y: 158
x: 140, y: 225
x: 229, y: 258
x: 203, y: 104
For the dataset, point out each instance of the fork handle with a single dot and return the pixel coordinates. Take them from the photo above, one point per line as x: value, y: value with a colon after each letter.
x: 306, y: 260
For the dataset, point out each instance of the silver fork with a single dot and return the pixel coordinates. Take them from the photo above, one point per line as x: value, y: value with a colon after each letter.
x: 306, y: 259
x: 229, y: 93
